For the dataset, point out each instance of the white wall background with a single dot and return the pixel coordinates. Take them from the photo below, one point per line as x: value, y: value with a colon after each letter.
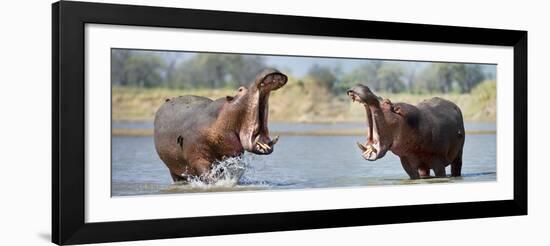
x: 25, y: 79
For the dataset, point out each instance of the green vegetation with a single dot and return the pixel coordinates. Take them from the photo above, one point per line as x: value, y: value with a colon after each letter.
x: 150, y: 69
x: 143, y: 80
x: 300, y: 101
x: 204, y: 70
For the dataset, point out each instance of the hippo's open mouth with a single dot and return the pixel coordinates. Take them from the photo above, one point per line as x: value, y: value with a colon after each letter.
x: 371, y: 147
x: 260, y: 142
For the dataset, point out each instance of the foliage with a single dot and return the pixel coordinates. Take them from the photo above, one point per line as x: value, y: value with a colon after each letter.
x: 322, y: 76
x: 210, y: 70
x: 136, y: 69
x: 215, y: 71
x: 448, y: 77
x: 390, y: 78
x: 205, y: 70
x: 483, y: 105
x: 378, y: 75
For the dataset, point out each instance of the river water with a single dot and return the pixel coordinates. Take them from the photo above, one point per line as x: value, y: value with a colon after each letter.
x: 298, y: 162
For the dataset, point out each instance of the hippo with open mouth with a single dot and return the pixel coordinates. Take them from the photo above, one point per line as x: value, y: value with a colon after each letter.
x: 427, y: 136
x: 191, y: 132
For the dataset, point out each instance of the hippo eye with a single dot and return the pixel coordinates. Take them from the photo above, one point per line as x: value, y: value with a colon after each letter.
x: 229, y: 98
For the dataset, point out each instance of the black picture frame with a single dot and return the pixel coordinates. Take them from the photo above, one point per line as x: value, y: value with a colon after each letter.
x: 68, y: 118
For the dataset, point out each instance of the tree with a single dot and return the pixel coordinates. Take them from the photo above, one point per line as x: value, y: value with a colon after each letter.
x: 468, y: 76
x: 390, y: 78
x: 243, y: 69
x: 321, y: 75
x: 119, y: 57
x: 364, y: 74
x: 447, y: 77
x: 378, y: 75
x: 207, y: 70
x: 143, y: 70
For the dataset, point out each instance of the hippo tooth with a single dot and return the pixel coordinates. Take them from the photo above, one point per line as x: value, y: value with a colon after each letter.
x: 361, y: 146
x: 367, y: 152
x: 274, y: 141
x: 264, y: 146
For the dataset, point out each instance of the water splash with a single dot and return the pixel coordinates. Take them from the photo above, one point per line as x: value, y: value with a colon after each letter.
x: 228, y: 174
x: 225, y: 173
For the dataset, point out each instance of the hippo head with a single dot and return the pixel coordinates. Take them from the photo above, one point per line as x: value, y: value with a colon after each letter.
x: 381, y: 121
x: 252, y: 103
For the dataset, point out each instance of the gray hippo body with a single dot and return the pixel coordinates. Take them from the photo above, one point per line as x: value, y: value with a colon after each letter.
x: 192, y: 132
x: 427, y: 136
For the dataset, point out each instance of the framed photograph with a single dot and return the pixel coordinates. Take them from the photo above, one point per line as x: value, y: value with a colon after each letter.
x: 175, y: 122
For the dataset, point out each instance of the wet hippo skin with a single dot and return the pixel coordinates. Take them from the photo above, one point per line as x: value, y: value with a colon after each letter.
x: 427, y: 136
x: 192, y: 132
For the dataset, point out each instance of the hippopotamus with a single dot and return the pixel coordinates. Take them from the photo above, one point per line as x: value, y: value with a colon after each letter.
x: 191, y: 132
x: 429, y: 135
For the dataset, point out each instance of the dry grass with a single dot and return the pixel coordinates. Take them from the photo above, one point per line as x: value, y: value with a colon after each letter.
x: 301, y: 102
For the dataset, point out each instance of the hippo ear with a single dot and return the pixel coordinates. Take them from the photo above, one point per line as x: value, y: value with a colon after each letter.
x: 394, y: 108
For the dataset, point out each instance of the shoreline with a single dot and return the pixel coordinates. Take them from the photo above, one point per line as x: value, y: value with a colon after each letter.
x: 128, y: 132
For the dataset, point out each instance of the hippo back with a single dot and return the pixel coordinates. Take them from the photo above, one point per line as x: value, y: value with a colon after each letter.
x: 175, y: 123
x: 176, y: 112
x: 442, y: 112
x: 442, y: 121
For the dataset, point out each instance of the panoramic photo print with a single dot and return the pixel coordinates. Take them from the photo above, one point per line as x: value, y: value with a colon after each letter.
x: 188, y: 122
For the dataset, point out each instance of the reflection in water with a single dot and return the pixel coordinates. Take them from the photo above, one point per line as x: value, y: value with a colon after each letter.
x: 298, y: 162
